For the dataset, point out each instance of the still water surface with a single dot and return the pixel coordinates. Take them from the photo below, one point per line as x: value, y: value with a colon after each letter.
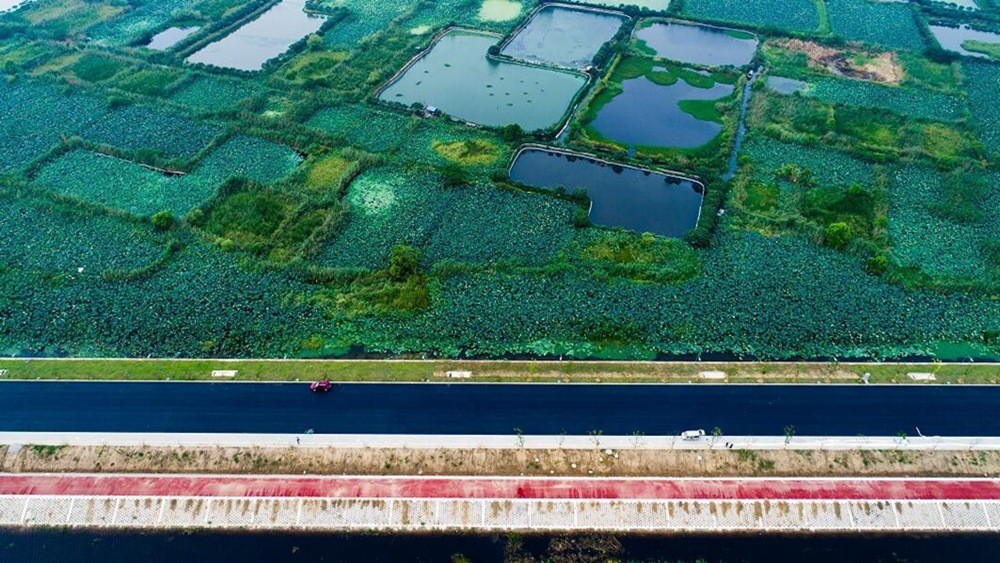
x: 564, y: 36
x: 699, y: 44
x: 458, y: 79
x: 622, y: 197
x: 259, y: 41
x: 649, y: 114
x: 109, y: 547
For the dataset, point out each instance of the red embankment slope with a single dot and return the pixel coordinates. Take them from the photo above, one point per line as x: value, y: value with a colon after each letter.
x: 497, y: 487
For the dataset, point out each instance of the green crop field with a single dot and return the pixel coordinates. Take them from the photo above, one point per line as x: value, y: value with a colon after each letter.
x: 793, y: 15
x: 888, y: 24
x: 981, y: 81
x: 153, y: 206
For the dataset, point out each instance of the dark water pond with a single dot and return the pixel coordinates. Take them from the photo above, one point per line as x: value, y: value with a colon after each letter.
x: 622, y: 197
x: 649, y: 114
x: 169, y: 37
x: 699, y: 44
x: 110, y: 547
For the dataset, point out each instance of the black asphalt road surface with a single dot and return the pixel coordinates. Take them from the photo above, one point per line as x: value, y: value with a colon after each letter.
x: 813, y: 410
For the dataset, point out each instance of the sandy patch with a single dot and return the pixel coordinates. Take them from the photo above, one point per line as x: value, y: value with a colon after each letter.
x: 499, y: 10
x: 882, y: 67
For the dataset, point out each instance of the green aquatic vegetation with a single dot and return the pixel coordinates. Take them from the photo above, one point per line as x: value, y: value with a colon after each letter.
x: 981, y: 81
x: 121, y: 184
x: 791, y: 15
x: 125, y: 185
x: 992, y: 50
x: 45, y: 114
x: 642, y: 258
x: 155, y: 82
x: 57, y: 239
x: 766, y: 296
x: 466, y: 224
x: 892, y: 25
x: 95, y: 68
x: 210, y: 94
x: 904, y: 101
x: 147, y: 128
x: 942, y: 224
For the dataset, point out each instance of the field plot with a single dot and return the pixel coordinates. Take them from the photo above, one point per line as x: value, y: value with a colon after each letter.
x: 793, y: 15
x: 57, y: 239
x: 563, y: 37
x: 981, y: 83
x: 121, y: 184
x: 206, y: 301
x: 905, y: 101
x: 388, y: 208
x: 139, y: 127
x: 138, y: 21
x: 889, y: 24
x: 456, y: 77
x: 211, y: 94
x: 36, y: 116
x: 572, y: 313
x: 124, y: 185
x: 946, y: 225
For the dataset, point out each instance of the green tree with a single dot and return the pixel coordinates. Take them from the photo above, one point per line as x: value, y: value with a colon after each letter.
x: 511, y: 133
x: 454, y: 176
x: 162, y: 221
x: 837, y: 235
x: 404, y: 262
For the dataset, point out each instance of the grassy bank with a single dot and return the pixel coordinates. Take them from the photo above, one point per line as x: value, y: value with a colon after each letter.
x: 526, y: 371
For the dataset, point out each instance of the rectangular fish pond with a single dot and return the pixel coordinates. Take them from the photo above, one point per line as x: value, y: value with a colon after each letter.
x: 564, y: 36
x: 696, y: 44
x: 456, y: 77
x: 262, y: 39
x: 621, y: 196
x: 170, y: 37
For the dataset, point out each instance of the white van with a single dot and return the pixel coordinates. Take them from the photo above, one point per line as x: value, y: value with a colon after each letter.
x: 692, y: 434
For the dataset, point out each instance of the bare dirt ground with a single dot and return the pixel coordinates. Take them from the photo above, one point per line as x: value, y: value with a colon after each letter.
x: 881, y: 67
x: 628, y: 462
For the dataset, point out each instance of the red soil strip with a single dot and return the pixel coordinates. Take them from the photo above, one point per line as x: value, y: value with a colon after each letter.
x: 475, y: 488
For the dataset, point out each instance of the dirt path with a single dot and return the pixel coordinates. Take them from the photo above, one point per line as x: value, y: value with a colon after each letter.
x: 628, y: 462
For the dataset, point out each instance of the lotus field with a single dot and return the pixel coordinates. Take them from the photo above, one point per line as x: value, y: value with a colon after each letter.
x: 285, y: 206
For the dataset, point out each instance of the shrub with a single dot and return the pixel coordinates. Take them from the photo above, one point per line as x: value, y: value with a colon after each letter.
x: 878, y: 264
x: 404, y: 262
x: 454, y: 176
x: 162, y: 221
x: 837, y: 235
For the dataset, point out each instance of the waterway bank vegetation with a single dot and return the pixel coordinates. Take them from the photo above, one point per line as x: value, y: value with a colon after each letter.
x: 494, y: 371
x: 164, y: 197
x: 632, y: 461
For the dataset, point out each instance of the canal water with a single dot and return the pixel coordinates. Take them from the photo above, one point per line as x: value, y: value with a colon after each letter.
x: 58, y: 546
x: 622, y: 197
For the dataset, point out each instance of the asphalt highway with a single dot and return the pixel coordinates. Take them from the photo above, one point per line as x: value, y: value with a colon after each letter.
x: 487, y: 409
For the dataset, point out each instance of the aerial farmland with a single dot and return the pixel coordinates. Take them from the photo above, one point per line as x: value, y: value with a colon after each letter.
x: 689, y: 179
